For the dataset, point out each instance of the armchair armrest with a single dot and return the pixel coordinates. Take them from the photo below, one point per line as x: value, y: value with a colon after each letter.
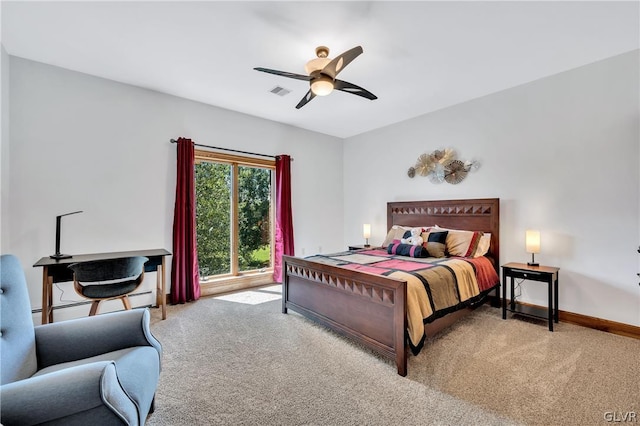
x: 85, y: 390
x: 90, y: 336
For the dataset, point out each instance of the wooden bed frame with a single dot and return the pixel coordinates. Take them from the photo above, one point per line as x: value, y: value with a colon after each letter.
x: 371, y: 309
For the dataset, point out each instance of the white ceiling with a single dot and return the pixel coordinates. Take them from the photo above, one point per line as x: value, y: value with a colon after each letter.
x: 418, y: 56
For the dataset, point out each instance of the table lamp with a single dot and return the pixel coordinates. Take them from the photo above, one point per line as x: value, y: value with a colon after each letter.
x: 532, y: 243
x: 366, y: 233
x: 59, y: 255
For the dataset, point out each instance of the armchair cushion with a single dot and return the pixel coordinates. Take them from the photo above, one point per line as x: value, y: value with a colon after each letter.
x: 86, y: 337
x: 66, y: 393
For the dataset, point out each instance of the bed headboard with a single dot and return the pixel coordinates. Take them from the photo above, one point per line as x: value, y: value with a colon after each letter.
x: 473, y: 215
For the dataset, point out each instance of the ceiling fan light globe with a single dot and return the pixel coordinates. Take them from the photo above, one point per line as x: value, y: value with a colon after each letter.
x: 322, y: 86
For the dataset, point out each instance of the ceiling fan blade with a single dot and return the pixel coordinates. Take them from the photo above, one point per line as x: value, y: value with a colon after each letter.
x: 345, y: 86
x: 339, y: 62
x: 305, y: 100
x: 284, y: 74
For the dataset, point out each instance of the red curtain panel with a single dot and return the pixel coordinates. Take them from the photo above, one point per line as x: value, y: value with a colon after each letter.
x: 284, y: 218
x: 185, y: 281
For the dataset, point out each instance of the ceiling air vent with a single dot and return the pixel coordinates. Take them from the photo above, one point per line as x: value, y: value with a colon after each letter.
x: 280, y: 91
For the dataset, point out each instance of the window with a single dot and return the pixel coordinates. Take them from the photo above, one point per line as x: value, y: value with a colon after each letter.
x: 234, y: 217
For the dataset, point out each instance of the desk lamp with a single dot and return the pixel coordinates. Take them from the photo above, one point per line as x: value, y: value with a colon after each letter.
x: 59, y: 255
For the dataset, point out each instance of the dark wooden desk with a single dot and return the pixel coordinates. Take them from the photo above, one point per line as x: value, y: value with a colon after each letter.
x: 56, y: 271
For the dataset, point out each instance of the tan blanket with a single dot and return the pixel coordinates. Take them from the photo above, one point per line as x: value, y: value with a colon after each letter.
x: 435, y: 286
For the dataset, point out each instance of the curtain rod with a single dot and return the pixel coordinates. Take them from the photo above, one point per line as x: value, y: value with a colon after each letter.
x: 229, y: 149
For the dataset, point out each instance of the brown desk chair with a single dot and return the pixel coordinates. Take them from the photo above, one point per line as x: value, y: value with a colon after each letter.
x: 108, y: 279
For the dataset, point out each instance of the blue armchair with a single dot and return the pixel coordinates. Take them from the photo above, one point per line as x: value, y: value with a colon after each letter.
x: 100, y: 370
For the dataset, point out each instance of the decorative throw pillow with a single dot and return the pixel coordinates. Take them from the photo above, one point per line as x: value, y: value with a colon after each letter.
x: 462, y: 243
x: 395, y: 233
x: 406, y: 250
x: 436, y: 243
x: 425, y: 234
x: 483, y: 245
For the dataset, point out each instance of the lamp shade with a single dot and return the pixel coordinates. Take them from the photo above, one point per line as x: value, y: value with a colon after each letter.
x: 366, y: 230
x: 322, y: 85
x: 532, y: 241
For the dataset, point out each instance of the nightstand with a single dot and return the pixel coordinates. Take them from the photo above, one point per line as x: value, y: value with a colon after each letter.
x: 359, y: 247
x: 547, y: 274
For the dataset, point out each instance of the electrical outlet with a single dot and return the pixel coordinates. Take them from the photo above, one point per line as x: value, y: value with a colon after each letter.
x: 319, y: 249
x: 303, y: 251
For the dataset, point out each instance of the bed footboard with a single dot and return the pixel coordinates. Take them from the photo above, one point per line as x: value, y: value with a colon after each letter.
x: 367, y: 308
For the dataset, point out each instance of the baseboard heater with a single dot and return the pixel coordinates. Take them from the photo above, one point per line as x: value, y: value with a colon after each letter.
x: 87, y: 302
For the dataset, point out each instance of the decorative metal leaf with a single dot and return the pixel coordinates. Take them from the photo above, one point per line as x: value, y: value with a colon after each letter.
x: 447, y: 156
x: 424, y: 165
x: 471, y: 166
x: 438, y: 174
x: 455, y: 172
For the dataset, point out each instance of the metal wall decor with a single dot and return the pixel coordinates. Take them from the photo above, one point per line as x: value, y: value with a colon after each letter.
x: 442, y: 166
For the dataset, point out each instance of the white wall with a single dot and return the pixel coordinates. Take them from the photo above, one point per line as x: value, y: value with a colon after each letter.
x: 562, y: 155
x: 4, y: 147
x: 79, y: 142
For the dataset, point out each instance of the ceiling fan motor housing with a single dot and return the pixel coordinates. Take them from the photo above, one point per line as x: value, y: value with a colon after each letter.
x: 316, y: 65
x: 322, y: 52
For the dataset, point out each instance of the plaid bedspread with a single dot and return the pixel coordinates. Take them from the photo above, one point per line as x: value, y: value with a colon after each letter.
x: 435, y: 286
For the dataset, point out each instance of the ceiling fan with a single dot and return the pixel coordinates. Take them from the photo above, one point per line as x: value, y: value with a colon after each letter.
x: 322, y: 72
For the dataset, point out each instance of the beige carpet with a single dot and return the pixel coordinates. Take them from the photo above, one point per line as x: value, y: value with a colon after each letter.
x: 519, y: 369
x: 239, y: 360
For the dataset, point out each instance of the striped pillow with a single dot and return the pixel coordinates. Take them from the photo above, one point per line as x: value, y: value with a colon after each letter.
x: 483, y: 245
x: 463, y: 243
x: 410, y: 250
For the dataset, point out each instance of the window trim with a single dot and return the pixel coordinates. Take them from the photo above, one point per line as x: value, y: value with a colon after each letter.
x: 218, y: 157
x: 234, y: 274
